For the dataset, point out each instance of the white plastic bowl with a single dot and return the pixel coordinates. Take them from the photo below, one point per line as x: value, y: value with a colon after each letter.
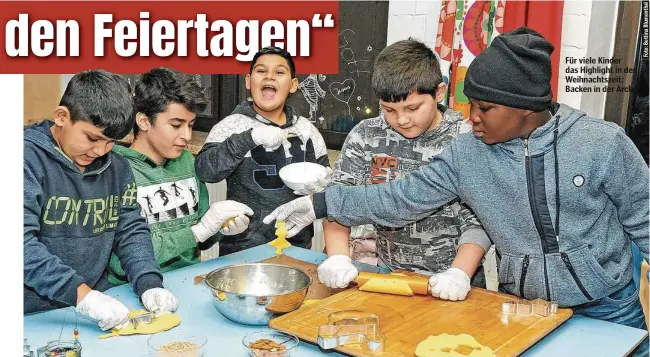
x: 297, y: 175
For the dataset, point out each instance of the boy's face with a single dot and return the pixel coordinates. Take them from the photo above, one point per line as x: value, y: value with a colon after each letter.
x: 80, y: 141
x: 170, y: 132
x: 494, y: 123
x: 415, y: 115
x: 270, y: 83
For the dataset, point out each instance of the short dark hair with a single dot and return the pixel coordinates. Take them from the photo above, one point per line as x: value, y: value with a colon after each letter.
x: 271, y: 50
x: 159, y: 87
x: 404, y: 67
x: 101, y: 98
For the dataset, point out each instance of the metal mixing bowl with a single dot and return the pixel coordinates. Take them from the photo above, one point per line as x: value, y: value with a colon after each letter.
x: 254, y: 294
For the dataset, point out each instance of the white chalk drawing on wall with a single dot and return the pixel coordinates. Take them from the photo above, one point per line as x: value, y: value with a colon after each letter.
x: 342, y: 91
x: 312, y: 91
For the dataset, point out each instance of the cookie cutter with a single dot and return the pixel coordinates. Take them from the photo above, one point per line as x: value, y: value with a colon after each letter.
x: 145, y: 318
x: 525, y: 307
x: 351, y: 327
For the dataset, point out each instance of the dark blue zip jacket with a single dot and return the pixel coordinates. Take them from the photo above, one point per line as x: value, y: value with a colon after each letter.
x: 74, y: 220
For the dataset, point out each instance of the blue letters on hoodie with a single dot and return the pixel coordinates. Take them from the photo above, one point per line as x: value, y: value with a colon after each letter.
x: 73, y: 221
x: 513, y: 189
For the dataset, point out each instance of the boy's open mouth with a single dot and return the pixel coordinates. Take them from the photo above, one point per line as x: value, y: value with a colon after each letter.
x: 268, y: 91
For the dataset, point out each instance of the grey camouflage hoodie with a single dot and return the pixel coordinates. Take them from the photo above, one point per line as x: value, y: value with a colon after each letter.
x: 512, y: 188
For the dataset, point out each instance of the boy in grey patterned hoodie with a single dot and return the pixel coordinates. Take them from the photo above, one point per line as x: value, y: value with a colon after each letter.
x: 412, y: 129
x: 562, y: 195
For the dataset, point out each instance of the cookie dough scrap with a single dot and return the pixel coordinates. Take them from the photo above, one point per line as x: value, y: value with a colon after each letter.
x: 161, y: 323
x: 280, y: 243
x: 446, y: 345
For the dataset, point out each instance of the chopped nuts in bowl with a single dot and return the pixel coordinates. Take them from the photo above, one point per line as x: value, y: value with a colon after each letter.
x: 175, y: 343
x: 270, y: 343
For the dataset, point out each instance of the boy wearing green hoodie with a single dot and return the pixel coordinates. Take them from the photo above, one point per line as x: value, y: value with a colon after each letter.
x: 174, y: 202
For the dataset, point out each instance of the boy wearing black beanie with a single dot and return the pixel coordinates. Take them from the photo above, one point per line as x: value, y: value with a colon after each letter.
x: 562, y: 195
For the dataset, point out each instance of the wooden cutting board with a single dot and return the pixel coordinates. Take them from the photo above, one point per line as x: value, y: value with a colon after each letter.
x: 405, y: 321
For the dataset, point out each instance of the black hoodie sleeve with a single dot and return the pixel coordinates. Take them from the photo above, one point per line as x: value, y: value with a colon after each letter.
x: 217, y: 160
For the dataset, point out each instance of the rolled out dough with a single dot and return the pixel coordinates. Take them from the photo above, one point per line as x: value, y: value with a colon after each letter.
x: 161, y: 323
x: 446, y: 345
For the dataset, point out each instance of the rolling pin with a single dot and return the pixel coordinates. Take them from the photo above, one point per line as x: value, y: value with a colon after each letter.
x: 394, y: 283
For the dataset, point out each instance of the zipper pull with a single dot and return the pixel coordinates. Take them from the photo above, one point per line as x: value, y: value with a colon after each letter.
x: 526, y: 147
x: 565, y: 258
x: 526, y: 261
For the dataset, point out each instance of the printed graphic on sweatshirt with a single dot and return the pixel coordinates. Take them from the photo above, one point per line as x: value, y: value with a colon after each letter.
x: 266, y: 164
x: 375, y: 154
x: 170, y: 200
x: 383, y: 168
x: 100, y: 213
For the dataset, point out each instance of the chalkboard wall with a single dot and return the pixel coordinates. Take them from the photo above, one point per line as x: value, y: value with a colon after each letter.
x: 336, y: 103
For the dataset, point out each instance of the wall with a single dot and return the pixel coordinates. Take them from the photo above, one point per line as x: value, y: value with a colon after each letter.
x: 65, y: 78
x: 41, y: 96
x: 418, y: 19
x: 587, y: 31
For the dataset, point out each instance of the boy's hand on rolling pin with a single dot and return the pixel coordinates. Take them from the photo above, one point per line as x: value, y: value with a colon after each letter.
x: 217, y: 215
x: 337, y: 271
x: 106, y: 310
x: 453, y: 284
x: 297, y: 214
x: 159, y: 300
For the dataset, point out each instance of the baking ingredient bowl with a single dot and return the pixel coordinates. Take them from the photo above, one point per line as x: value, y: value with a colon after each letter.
x: 270, y: 343
x: 254, y: 294
x: 300, y: 174
x: 177, y: 343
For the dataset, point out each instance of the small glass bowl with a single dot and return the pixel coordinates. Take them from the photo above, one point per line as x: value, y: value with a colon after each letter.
x: 288, y: 340
x: 177, y: 343
x: 63, y: 348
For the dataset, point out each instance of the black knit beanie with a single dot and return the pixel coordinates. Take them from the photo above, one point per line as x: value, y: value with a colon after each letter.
x: 514, y: 71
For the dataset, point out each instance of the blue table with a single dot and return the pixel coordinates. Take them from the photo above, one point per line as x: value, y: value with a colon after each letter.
x: 580, y: 336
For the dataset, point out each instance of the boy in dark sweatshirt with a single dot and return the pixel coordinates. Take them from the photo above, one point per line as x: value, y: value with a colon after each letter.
x: 80, y: 206
x: 249, y: 147
x: 174, y: 202
x: 562, y: 195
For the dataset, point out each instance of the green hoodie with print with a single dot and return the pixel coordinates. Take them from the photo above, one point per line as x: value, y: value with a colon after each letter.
x: 172, y: 200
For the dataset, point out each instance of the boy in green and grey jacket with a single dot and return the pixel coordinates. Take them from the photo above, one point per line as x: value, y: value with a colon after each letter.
x: 174, y: 202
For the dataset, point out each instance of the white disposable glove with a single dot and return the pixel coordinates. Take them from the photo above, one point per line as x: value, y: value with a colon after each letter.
x: 323, y: 179
x: 452, y: 284
x: 236, y: 225
x: 271, y: 137
x: 303, y: 129
x: 106, y: 310
x: 296, y: 214
x: 337, y: 271
x: 159, y: 300
x: 216, y: 216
